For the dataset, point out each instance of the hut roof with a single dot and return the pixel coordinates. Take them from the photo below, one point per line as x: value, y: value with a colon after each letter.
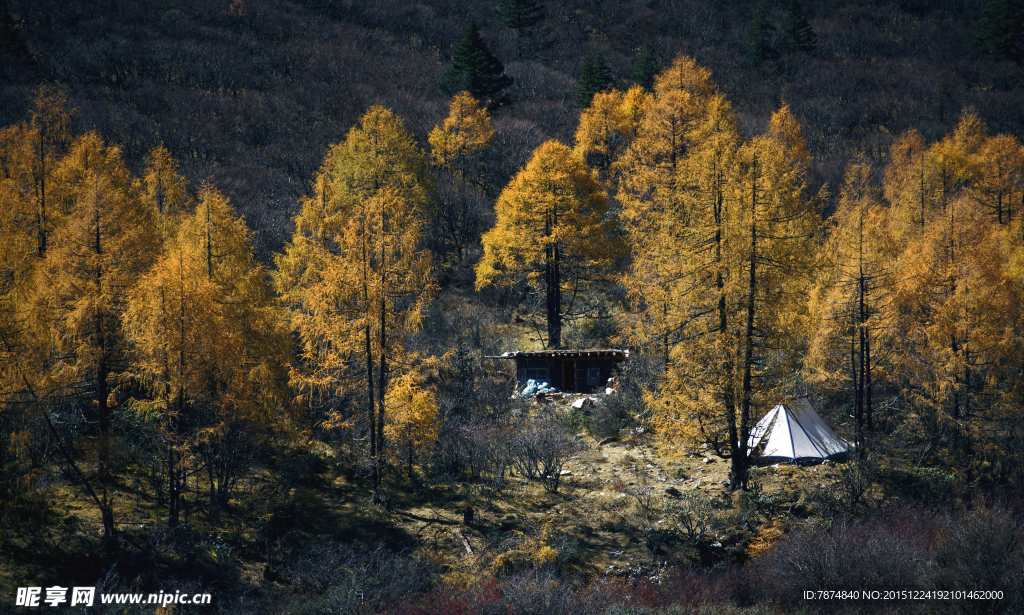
x: 618, y: 355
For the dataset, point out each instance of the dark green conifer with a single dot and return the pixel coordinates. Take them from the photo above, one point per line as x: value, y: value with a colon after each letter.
x: 797, y: 34
x: 646, y: 67
x: 1001, y: 29
x: 521, y: 16
x: 474, y: 68
x: 10, y: 28
x: 759, y: 36
x: 595, y: 76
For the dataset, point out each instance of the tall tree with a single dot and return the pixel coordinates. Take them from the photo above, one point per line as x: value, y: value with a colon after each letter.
x: 957, y: 299
x: 660, y: 172
x: 455, y: 145
x: 165, y: 189
x: 907, y: 181
x: 210, y: 344
x: 999, y: 181
x: 720, y: 235
x: 595, y: 76
x: 759, y: 35
x: 47, y: 131
x: 474, y: 69
x: 94, y: 260
x: 355, y: 274
x: 19, y: 226
x: 796, y: 34
x: 779, y: 224
x: 552, y: 231
x: 522, y: 16
x: 1000, y: 29
x: 682, y: 277
x: 852, y: 304
x: 646, y: 66
x: 958, y: 318
x: 651, y: 165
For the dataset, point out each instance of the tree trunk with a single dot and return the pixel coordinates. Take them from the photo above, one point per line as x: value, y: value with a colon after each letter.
x: 41, y: 188
x: 554, y: 287
x: 738, y: 476
x: 728, y: 398
x: 867, y: 390
x: 173, y: 487
x: 382, y: 380
x: 102, y: 393
x: 371, y: 399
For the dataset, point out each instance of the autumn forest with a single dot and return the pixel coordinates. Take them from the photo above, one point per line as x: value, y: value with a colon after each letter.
x: 259, y: 262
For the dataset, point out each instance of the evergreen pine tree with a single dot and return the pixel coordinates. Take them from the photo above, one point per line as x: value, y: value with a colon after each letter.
x: 1001, y: 29
x: 759, y: 34
x: 595, y: 76
x: 646, y: 67
x: 521, y: 16
x: 474, y: 68
x: 797, y: 34
x: 10, y: 28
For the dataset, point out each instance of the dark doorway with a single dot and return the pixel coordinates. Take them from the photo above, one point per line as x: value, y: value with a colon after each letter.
x: 569, y: 375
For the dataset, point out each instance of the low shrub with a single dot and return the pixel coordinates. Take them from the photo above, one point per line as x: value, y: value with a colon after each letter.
x: 982, y: 549
x: 852, y: 556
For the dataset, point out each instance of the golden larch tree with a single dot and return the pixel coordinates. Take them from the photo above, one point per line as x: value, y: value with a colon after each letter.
x: 455, y: 147
x: 92, y: 263
x: 778, y: 225
x: 851, y: 305
x: 552, y: 231
x: 211, y: 347
x: 355, y: 274
x: 999, y: 182
x: 607, y: 128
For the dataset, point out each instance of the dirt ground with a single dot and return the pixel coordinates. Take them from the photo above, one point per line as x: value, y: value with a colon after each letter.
x: 595, y: 505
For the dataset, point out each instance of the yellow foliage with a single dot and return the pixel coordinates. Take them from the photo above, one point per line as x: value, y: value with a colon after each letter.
x: 553, y: 203
x: 552, y: 230
x: 608, y: 126
x: 763, y: 541
x: 955, y: 253
x: 209, y: 340
x: 411, y: 416
x: 164, y: 189
x: 355, y: 274
x: 466, y: 130
x: 851, y: 305
x: 722, y: 240
x: 999, y: 177
x: 109, y: 240
x: 527, y: 550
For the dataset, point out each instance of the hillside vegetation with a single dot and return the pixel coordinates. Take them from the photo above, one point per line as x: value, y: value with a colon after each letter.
x: 259, y: 261
x: 250, y: 95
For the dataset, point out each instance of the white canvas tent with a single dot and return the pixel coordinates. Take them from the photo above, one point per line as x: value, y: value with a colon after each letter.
x: 795, y: 432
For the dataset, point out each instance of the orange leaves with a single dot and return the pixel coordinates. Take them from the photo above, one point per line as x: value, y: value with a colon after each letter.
x: 999, y: 180
x: 411, y: 412
x: 935, y: 267
x: 608, y: 126
x: 164, y: 189
x: 554, y: 201
x: 355, y: 275
x: 466, y: 130
x: 203, y: 318
x: 109, y: 239
x: 552, y: 231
